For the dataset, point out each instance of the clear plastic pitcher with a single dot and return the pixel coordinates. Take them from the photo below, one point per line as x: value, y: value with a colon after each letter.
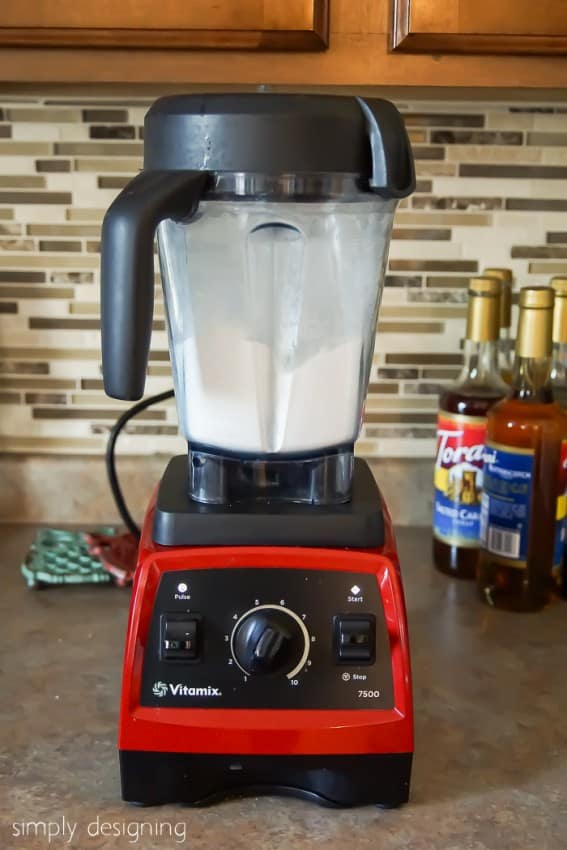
x: 271, y: 312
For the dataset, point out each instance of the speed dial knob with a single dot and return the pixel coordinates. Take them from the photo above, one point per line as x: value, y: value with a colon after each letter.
x: 270, y: 639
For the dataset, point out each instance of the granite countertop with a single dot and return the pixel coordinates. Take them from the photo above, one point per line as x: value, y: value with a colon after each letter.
x: 490, y: 689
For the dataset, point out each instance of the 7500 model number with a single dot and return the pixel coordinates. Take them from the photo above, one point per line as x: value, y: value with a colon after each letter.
x: 368, y: 694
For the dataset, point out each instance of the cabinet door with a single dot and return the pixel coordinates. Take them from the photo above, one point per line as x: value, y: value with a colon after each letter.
x: 242, y: 24
x: 480, y: 26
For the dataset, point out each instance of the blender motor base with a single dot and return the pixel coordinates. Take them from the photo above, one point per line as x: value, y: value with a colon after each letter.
x: 154, y: 778
x: 180, y: 521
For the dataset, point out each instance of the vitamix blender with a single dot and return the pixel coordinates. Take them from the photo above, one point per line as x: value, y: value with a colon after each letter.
x: 267, y: 644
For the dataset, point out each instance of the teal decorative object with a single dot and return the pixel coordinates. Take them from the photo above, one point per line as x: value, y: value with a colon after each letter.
x: 62, y: 557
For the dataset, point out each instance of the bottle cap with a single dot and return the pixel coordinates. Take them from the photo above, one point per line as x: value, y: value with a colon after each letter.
x: 483, y: 316
x: 507, y: 279
x: 559, y: 334
x: 505, y: 275
x: 559, y: 285
x: 535, y: 322
x: 537, y: 297
x: 486, y: 284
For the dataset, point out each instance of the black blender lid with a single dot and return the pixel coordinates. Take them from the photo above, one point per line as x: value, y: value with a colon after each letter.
x: 281, y: 134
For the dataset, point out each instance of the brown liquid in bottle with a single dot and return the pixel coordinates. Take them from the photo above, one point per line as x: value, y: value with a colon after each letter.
x: 528, y: 422
x: 535, y: 425
x: 454, y: 560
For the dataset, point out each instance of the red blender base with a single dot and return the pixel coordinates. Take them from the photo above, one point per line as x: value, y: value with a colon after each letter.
x: 195, y: 726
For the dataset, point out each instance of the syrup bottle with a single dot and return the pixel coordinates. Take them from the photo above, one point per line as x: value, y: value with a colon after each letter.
x: 505, y: 349
x: 559, y: 337
x: 521, y: 482
x: 460, y: 436
x: 559, y: 386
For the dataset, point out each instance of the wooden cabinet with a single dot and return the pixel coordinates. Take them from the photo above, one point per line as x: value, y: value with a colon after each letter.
x: 101, y: 47
x: 480, y: 26
x: 243, y: 24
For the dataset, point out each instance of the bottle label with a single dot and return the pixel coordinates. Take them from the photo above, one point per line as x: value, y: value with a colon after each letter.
x: 506, y: 502
x: 458, y: 479
x: 561, y: 512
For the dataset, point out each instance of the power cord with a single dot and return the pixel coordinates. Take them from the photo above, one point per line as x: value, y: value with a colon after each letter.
x: 111, y: 460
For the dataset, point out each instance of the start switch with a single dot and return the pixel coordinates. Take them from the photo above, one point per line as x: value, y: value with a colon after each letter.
x: 355, y: 638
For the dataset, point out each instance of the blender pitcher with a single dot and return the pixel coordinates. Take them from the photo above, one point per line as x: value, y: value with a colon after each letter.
x: 273, y: 216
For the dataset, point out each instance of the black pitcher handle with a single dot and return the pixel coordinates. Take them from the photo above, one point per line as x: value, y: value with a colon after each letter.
x: 127, y: 271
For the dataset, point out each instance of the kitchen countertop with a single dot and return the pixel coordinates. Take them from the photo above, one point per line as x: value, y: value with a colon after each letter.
x: 490, y: 692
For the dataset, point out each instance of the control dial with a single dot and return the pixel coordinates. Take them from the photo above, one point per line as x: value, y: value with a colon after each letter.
x: 270, y: 639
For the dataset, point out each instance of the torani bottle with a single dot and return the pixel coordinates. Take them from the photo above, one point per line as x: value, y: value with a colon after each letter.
x: 461, y: 433
x: 521, y: 470
x: 559, y: 385
x: 559, y: 337
x: 506, y: 349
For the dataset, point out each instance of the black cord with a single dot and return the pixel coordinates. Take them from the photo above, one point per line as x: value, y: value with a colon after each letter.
x: 111, y: 461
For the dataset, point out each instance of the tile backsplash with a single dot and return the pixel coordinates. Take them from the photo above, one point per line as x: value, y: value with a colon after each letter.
x: 491, y: 190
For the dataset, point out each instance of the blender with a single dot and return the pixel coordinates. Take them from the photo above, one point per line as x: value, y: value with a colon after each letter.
x: 267, y: 643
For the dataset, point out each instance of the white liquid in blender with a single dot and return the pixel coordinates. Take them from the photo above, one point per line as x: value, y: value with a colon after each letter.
x: 239, y: 398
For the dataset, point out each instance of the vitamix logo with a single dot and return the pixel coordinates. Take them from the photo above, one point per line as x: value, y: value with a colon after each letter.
x: 163, y: 689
